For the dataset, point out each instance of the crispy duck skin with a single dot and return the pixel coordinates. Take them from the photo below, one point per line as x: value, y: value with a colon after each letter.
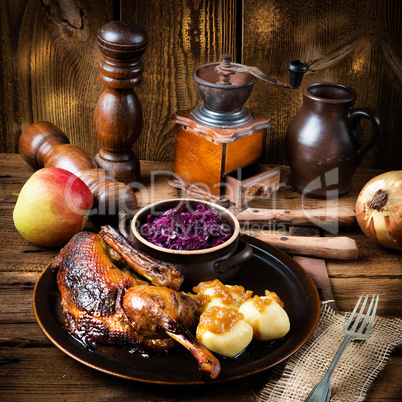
x: 155, y: 271
x: 153, y: 309
x: 92, y: 290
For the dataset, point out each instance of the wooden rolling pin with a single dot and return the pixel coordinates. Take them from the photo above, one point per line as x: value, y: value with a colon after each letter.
x: 339, y: 248
x: 42, y: 144
x: 323, y: 217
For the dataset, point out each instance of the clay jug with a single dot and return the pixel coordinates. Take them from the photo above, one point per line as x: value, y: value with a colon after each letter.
x: 324, y: 142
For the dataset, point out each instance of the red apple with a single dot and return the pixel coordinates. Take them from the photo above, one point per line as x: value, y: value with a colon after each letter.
x: 52, y: 207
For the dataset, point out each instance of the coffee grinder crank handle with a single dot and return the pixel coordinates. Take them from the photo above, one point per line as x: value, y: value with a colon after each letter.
x: 297, y: 69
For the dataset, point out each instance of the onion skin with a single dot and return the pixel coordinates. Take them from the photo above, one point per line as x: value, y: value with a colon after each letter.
x: 379, y: 209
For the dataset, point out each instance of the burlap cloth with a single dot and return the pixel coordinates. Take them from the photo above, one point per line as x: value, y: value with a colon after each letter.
x: 359, y: 365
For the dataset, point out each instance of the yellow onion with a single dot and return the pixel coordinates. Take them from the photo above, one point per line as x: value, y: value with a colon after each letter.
x: 379, y: 209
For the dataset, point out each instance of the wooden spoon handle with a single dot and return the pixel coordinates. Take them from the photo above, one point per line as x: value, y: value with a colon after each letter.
x: 339, y: 248
x: 300, y: 217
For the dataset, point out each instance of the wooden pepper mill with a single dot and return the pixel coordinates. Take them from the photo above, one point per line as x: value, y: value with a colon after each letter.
x: 42, y: 144
x: 118, y: 113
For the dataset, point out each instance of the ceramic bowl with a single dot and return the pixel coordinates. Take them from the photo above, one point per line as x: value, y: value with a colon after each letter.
x: 220, y: 262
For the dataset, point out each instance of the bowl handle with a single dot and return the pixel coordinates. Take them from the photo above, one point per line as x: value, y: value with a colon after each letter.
x: 226, y: 264
x: 125, y: 225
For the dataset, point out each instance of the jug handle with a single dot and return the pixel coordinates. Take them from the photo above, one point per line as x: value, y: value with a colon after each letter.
x: 366, y: 113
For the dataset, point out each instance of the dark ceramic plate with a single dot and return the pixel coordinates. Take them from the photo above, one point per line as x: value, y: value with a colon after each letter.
x: 269, y: 268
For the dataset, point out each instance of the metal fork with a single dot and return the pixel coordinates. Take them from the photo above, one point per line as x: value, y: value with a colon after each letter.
x: 322, y: 391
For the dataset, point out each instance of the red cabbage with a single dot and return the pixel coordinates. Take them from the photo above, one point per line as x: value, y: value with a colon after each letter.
x: 181, y: 229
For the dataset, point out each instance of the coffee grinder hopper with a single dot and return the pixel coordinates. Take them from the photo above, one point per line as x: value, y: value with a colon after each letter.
x: 225, y: 87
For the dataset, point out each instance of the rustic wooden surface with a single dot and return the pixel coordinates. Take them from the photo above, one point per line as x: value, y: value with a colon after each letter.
x: 36, y: 370
x: 49, y: 62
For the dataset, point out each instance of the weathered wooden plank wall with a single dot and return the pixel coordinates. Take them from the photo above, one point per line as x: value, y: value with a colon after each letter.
x: 49, y: 62
x: 49, y: 58
x: 182, y: 35
x: 353, y: 42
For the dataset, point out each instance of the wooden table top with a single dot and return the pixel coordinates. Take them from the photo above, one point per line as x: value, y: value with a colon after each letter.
x: 33, y: 369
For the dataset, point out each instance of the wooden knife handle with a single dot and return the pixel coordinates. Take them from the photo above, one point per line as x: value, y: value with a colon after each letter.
x: 339, y: 248
x: 42, y: 144
x: 300, y: 217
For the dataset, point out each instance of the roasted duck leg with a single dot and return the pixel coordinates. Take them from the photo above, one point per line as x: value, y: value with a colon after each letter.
x: 92, y: 290
x: 154, y: 309
x: 156, y: 272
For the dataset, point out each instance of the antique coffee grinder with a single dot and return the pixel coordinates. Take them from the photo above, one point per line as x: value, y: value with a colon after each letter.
x: 220, y: 143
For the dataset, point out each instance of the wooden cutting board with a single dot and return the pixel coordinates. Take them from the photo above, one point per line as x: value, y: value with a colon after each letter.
x: 315, y: 267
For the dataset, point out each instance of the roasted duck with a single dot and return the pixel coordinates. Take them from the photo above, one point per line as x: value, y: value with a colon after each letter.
x: 103, y: 305
x: 92, y: 290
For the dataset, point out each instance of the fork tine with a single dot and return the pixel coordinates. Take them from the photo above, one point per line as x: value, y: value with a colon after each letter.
x: 373, y: 314
x: 360, y: 314
x: 367, y: 316
x: 353, y: 313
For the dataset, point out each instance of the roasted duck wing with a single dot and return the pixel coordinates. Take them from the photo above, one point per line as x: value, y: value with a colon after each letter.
x: 156, y: 272
x: 153, y: 309
x: 92, y: 290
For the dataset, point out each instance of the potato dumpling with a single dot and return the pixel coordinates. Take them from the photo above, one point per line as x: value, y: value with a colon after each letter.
x: 224, y: 331
x: 266, y: 316
x: 215, y: 293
